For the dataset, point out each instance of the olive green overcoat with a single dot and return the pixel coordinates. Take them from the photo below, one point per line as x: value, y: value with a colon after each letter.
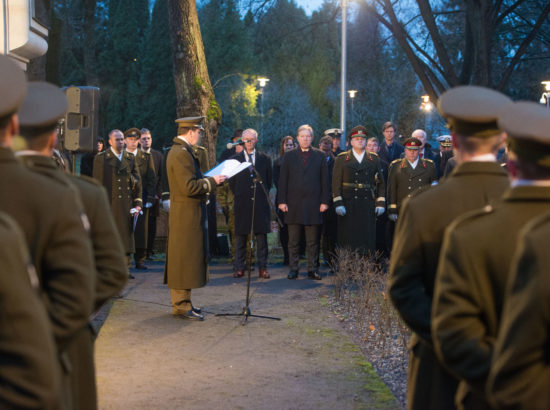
x: 413, y: 264
x: 520, y: 370
x: 359, y: 187
x: 146, y: 169
x: 186, y: 259
x: 123, y: 184
x: 31, y: 380
x: 471, y: 280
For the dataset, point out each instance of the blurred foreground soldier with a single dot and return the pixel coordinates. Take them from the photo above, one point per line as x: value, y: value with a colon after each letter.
x: 475, y: 260
x: 116, y: 170
x: 359, y: 194
x: 52, y: 220
x: 329, y: 230
x: 304, y: 196
x: 520, y: 369
x: 29, y: 371
x: 471, y: 113
x: 186, y: 259
x: 336, y: 136
x: 242, y: 186
x: 408, y: 176
x: 390, y: 149
x: 146, y: 169
x: 146, y: 142
x: 110, y: 271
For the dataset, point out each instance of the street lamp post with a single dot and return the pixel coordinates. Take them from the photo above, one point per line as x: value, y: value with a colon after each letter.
x: 352, y: 94
x: 545, y: 99
x: 427, y: 106
x: 263, y: 82
x: 344, y: 6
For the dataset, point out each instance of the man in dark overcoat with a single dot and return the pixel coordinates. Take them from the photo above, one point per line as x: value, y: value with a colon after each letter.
x: 55, y: 228
x: 390, y: 149
x: 116, y: 170
x: 475, y: 261
x: 110, y: 275
x: 251, y: 200
x: 329, y: 229
x: 186, y: 259
x: 146, y: 169
x: 304, y: 196
x: 408, y: 176
x: 471, y: 113
x: 358, y: 191
x: 146, y: 142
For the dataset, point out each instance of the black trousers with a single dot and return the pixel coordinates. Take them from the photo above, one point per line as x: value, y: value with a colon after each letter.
x: 329, y: 236
x: 240, y: 251
x: 312, y: 233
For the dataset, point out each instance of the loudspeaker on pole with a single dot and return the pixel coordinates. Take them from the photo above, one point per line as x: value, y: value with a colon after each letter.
x: 82, y: 119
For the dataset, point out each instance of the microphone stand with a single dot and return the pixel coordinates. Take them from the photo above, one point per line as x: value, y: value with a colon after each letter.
x: 246, y: 312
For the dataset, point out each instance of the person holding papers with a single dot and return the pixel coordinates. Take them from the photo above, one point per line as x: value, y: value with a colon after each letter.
x: 186, y: 262
x: 251, y: 201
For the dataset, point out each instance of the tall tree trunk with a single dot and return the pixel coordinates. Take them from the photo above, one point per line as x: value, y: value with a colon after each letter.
x: 195, y: 95
x: 89, y: 53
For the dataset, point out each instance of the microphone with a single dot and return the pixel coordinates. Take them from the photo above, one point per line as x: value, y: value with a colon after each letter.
x: 234, y: 144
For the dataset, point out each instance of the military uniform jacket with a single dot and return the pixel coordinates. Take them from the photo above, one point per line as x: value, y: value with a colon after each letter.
x: 304, y: 187
x: 186, y: 264
x: 359, y: 187
x: 123, y: 184
x: 110, y: 272
x: 242, y: 186
x: 520, y: 370
x: 55, y: 232
x: 414, y: 259
x: 146, y: 170
x: 29, y: 377
x: 404, y: 181
x: 471, y: 280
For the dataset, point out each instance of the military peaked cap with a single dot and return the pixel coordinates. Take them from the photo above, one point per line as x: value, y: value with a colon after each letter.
x: 445, y: 140
x: 13, y: 86
x: 190, y: 122
x: 132, y: 133
x: 472, y: 111
x: 333, y: 132
x: 358, y: 131
x: 412, y: 143
x: 44, y: 105
x: 528, y: 127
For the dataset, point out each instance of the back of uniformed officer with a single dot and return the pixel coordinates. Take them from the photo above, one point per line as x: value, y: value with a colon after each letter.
x: 475, y: 260
x: 471, y: 113
x: 29, y: 371
x: 110, y: 266
x: 55, y: 227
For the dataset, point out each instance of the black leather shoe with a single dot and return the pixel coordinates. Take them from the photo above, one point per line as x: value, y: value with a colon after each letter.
x: 190, y: 314
x: 130, y: 276
x: 196, y: 309
x: 293, y: 274
x: 141, y: 266
x: 314, y: 275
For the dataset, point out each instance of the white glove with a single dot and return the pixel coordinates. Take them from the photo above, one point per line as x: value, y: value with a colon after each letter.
x: 340, y: 210
x: 392, y: 217
x: 379, y: 210
x: 148, y: 205
x: 166, y: 205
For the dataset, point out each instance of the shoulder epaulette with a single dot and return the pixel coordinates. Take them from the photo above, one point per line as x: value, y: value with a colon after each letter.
x: 373, y: 153
x: 342, y: 153
x: 428, y: 159
x: 395, y: 161
x: 200, y: 147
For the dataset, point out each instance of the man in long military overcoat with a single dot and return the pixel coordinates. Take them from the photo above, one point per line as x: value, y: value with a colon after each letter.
x: 471, y: 113
x: 304, y: 195
x: 251, y: 200
x: 408, y: 176
x: 38, y: 128
x: 51, y: 217
x: 477, y: 252
x: 186, y: 259
x: 116, y: 170
x: 358, y: 191
x: 146, y: 169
